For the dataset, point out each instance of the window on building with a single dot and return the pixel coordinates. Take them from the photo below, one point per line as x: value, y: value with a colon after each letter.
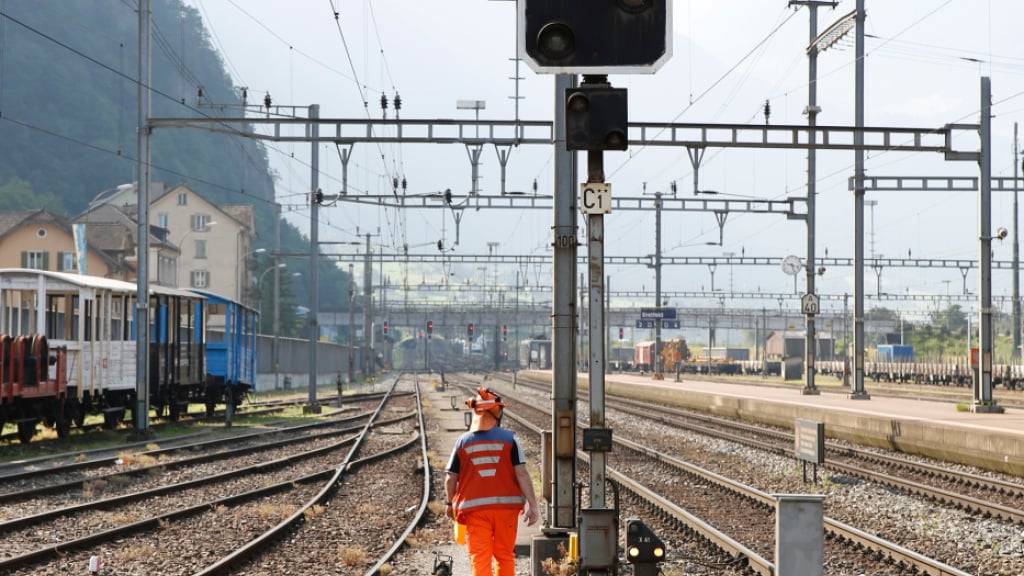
x: 201, y: 249
x: 35, y: 260
x: 182, y: 199
x: 200, y: 279
x: 66, y: 262
x: 162, y: 220
x: 200, y: 222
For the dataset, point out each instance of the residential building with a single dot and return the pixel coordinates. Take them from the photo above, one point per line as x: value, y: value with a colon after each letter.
x: 41, y: 240
x: 214, y: 241
x: 114, y: 230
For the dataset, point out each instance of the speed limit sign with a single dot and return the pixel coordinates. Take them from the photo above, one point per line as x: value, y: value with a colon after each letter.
x: 810, y: 304
x: 596, y: 198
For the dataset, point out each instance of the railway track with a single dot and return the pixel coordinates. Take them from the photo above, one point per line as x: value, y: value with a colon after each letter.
x: 155, y: 457
x: 740, y: 526
x: 280, y: 475
x: 260, y: 408
x: 987, y: 496
x: 324, y: 522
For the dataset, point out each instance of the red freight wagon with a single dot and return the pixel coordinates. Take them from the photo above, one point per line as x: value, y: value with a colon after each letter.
x: 643, y: 356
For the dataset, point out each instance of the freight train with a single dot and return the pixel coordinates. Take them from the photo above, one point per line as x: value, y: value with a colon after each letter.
x: 67, y: 350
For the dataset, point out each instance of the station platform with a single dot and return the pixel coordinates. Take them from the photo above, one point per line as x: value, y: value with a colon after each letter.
x: 447, y: 426
x: 914, y: 426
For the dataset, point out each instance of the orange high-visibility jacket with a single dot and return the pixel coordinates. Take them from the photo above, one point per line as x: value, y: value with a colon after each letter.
x: 485, y: 462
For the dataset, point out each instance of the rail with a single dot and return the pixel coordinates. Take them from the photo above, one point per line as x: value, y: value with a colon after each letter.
x: 251, y: 548
x: 425, y: 458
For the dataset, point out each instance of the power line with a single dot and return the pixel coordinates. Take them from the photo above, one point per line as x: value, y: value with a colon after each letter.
x: 298, y: 51
x: 709, y: 88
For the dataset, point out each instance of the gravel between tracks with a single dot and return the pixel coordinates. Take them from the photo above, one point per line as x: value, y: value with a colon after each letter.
x: 78, y: 525
x: 967, y: 541
x: 133, y: 461
x: 350, y: 531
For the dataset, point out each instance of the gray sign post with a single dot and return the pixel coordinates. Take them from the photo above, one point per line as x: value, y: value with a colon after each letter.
x: 809, y: 439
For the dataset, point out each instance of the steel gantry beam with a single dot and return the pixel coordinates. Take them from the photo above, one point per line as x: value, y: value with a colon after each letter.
x: 453, y: 319
x: 934, y: 184
x: 449, y: 258
x: 346, y: 131
x: 793, y: 208
x: 690, y: 294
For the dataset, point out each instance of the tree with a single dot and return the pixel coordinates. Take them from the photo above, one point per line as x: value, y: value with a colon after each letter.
x: 17, y: 195
x: 952, y: 319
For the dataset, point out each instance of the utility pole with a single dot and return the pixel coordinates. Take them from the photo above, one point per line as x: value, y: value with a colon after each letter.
x: 983, y: 401
x: 312, y: 406
x: 846, y: 340
x: 812, y: 110
x: 858, y: 392
x: 595, y: 301
x: 515, y: 326
x: 351, y: 324
x: 584, y: 337
x: 764, y: 343
x: 607, y: 319
x: 658, y: 368
x: 141, y: 413
x: 1016, y: 249
x: 368, y: 309
x: 275, y: 344
x: 563, y: 320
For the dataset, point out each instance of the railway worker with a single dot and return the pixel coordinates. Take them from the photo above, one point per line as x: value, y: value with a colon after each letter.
x: 487, y: 486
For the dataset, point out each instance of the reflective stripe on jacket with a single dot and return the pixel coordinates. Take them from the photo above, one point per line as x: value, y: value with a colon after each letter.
x: 486, y: 468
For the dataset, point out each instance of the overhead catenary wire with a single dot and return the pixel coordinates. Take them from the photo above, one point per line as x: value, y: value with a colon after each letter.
x: 710, y: 88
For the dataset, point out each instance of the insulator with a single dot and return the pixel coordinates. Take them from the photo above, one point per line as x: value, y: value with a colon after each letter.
x: 245, y: 93
x: 405, y: 185
x: 448, y: 196
x: 394, y: 183
x: 267, y: 101
x: 767, y: 110
x: 398, y: 101
x: 383, y: 102
x: 199, y: 92
x: 673, y: 186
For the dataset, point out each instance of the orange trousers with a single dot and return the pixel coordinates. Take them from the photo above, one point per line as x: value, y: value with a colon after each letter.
x: 491, y: 536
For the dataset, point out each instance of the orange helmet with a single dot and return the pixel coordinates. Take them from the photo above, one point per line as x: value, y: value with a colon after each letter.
x: 487, y: 407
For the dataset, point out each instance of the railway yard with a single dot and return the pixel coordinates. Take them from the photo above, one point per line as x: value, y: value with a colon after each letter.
x: 349, y: 492
x: 511, y: 288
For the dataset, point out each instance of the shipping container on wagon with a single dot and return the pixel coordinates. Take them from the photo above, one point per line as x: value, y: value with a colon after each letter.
x: 894, y: 353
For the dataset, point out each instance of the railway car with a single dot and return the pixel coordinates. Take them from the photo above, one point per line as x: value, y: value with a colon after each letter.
x: 92, y: 320
x: 33, y: 385
x: 231, y: 340
x: 643, y: 356
x: 535, y: 354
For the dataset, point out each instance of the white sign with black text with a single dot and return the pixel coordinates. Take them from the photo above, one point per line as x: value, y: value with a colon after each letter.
x: 596, y: 198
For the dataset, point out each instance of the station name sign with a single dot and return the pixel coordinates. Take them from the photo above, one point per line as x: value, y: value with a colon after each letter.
x: 658, y: 313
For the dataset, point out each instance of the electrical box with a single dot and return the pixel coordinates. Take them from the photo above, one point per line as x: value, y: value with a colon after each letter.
x: 599, y: 538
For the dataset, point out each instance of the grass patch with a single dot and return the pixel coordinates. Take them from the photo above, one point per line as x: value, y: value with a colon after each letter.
x: 351, y: 556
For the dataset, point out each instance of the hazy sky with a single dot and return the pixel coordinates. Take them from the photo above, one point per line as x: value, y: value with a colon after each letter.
x: 922, y: 70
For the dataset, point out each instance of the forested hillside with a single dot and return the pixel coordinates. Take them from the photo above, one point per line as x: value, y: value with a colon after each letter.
x: 70, y: 122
